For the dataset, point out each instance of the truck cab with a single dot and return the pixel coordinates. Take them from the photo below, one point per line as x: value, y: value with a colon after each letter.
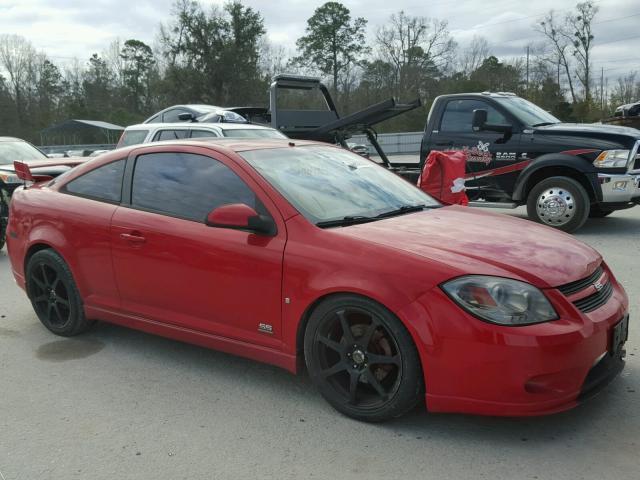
x: 519, y: 154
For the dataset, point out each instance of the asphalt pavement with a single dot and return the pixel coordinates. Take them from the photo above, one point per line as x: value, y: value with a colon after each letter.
x: 120, y: 404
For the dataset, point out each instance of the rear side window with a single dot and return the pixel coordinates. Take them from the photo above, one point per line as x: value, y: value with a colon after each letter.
x: 458, y: 115
x: 102, y: 183
x: 186, y: 185
x: 203, y: 134
x: 170, y: 135
x: 253, y: 133
x: 132, y: 137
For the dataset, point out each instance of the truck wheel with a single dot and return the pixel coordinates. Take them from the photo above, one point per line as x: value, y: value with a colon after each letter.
x: 597, y: 212
x: 560, y: 202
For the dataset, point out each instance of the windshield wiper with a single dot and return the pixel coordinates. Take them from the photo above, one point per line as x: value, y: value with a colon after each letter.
x: 405, y: 209
x: 344, y: 221
x: 544, y: 124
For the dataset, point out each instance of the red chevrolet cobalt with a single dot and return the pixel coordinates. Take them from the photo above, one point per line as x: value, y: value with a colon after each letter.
x: 305, y: 254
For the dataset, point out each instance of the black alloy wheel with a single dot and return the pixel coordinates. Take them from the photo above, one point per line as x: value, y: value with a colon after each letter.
x: 362, y: 359
x: 54, y: 295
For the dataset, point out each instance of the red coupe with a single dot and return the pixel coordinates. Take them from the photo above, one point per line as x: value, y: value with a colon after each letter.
x: 303, y: 253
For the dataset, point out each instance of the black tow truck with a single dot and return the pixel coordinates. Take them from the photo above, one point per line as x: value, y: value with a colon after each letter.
x: 519, y: 154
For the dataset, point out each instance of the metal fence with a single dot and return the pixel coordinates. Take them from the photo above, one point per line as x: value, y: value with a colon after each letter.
x: 86, y: 149
x: 393, y: 143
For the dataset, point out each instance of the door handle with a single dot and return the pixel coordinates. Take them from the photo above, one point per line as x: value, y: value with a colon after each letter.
x: 133, y: 238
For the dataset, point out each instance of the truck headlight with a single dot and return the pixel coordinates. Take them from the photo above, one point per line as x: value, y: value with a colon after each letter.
x: 500, y: 300
x: 612, y: 159
x: 6, y: 178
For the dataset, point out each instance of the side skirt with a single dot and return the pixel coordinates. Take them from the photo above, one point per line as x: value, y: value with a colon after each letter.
x: 223, y: 344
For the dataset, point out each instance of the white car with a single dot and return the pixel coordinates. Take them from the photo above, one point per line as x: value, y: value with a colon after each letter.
x: 155, y: 132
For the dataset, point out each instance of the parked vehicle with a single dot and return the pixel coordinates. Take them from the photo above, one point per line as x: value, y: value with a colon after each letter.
x: 625, y: 116
x: 155, y: 132
x: 293, y: 253
x: 519, y: 154
x: 12, y: 149
x: 201, y: 114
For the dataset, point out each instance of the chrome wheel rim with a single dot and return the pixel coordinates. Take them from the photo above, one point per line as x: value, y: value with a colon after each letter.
x: 556, y: 206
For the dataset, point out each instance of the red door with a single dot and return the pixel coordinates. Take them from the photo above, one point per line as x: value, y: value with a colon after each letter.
x: 173, y: 268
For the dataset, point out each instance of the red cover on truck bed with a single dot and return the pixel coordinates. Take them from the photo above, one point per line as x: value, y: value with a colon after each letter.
x: 442, y: 177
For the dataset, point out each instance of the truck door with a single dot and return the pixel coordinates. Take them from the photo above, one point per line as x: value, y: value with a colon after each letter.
x: 490, y: 155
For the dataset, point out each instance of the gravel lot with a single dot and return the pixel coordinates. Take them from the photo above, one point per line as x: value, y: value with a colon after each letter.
x: 119, y: 404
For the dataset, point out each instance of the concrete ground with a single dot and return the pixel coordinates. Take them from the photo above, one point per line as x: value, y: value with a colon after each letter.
x: 120, y: 404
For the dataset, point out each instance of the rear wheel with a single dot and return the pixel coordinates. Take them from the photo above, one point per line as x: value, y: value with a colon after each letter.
x: 362, y: 359
x: 560, y: 202
x: 54, y: 295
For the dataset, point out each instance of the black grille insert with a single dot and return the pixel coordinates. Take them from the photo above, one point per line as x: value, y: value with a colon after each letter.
x: 573, y: 287
x: 595, y: 300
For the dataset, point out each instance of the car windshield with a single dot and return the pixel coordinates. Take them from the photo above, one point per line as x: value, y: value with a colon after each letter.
x: 253, y: 133
x: 528, y: 113
x: 23, y: 151
x: 327, y: 184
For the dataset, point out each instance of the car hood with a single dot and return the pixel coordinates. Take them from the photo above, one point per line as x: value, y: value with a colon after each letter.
x: 589, y: 129
x: 475, y: 242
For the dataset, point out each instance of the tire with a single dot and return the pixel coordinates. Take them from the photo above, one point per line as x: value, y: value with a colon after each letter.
x: 54, y: 295
x: 3, y: 231
x: 559, y: 202
x: 369, y: 371
x: 597, y: 212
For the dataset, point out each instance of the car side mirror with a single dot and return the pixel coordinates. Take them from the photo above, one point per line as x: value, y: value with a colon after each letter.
x: 240, y: 216
x: 479, y: 120
x: 479, y: 124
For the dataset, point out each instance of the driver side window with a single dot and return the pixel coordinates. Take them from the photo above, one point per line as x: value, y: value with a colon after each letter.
x: 458, y: 115
x: 186, y: 185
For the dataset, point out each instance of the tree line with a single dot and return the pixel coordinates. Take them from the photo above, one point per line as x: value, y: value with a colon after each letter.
x: 220, y: 56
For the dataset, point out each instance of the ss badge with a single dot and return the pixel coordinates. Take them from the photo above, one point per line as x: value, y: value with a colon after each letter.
x: 265, y: 328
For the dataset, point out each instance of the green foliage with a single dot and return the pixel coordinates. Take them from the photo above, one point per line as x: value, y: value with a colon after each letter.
x: 219, y: 55
x: 333, y: 42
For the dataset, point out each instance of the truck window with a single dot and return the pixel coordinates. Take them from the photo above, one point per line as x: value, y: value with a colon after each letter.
x: 459, y: 113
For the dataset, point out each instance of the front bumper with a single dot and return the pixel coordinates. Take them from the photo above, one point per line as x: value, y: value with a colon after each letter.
x: 480, y: 368
x: 620, y: 188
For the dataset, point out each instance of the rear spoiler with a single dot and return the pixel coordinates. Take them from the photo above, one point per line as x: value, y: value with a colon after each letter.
x: 24, y: 171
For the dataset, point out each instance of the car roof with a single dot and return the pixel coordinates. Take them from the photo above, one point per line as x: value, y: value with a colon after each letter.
x: 198, y: 108
x: 222, y: 145
x: 11, y: 139
x: 200, y: 126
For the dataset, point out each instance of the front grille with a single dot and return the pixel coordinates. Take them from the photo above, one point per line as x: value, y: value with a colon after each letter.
x: 573, y: 287
x: 596, y: 300
x: 593, y: 301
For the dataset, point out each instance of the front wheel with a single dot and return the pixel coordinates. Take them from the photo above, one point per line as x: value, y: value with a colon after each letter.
x: 560, y: 202
x: 362, y: 359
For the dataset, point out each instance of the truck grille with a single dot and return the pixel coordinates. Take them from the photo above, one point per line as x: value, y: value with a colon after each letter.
x: 593, y: 301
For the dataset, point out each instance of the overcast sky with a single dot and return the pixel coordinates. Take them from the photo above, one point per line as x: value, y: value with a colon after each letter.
x: 77, y: 28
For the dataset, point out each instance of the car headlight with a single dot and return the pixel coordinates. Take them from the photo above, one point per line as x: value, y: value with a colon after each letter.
x: 612, y: 159
x: 500, y: 300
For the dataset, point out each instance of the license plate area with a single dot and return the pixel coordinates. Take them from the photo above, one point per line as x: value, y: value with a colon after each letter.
x: 619, y: 336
